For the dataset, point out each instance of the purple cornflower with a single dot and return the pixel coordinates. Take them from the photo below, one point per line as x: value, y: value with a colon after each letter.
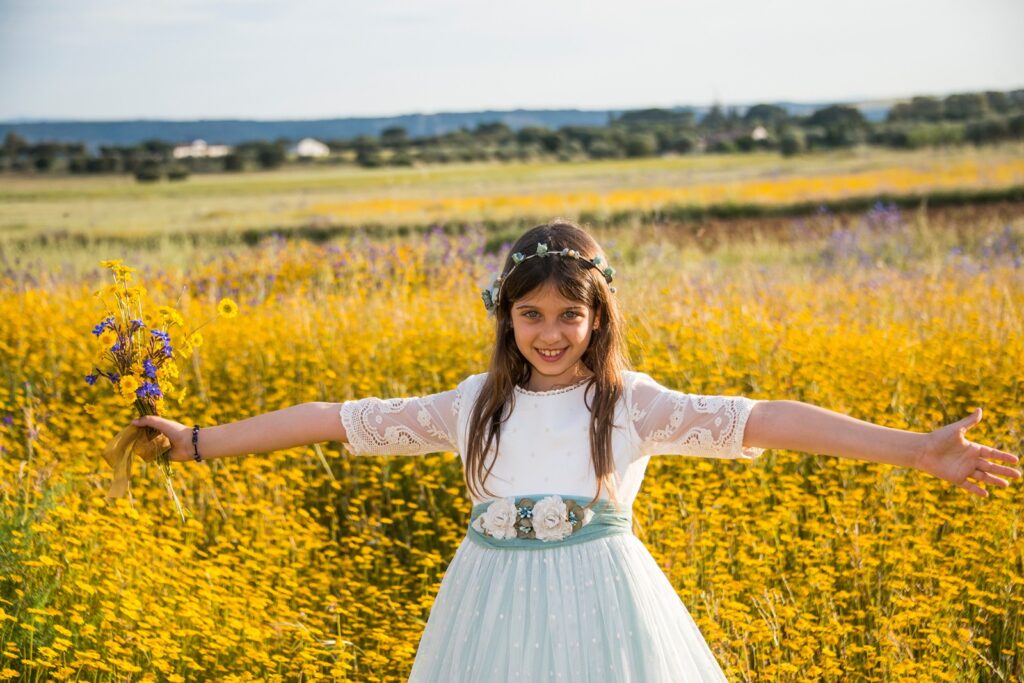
x: 149, y: 390
x: 91, y: 379
x: 108, y: 322
x: 148, y: 369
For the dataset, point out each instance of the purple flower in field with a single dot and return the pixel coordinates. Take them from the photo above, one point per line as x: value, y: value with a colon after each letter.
x: 91, y: 379
x: 884, y: 215
x: 117, y: 346
x: 98, y: 330
x: 148, y: 369
x: 149, y: 390
x: 162, y: 336
x: 114, y: 378
x: 135, y: 324
x: 8, y: 420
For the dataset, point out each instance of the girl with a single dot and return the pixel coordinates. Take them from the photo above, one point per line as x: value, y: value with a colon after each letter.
x: 550, y: 583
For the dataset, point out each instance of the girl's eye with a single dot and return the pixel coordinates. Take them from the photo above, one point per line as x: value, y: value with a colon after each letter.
x: 571, y: 314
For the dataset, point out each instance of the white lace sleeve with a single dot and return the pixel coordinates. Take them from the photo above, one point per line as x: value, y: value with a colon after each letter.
x: 402, y: 426
x: 671, y: 422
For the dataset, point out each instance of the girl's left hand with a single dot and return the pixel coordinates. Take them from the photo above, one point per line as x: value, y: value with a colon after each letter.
x: 948, y: 455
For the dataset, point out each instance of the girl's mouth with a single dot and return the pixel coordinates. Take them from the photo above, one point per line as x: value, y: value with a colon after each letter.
x: 551, y: 356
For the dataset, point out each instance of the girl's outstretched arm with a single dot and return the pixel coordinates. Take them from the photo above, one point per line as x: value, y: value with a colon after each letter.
x: 944, y: 453
x: 298, y: 425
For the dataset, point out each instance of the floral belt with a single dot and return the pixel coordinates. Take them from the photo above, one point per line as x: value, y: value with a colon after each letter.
x: 542, y: 521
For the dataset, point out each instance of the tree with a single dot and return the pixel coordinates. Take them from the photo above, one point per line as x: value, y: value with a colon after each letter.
x: 714, y: 119
x: 157, y: 147
x: 394, y: 136
x: 234, y: 162
x: 792, y: 142
x: 918, y: 109
x: 495, y: 131
x: 367, y: 151
x: 767, y: 115
x: 149, y: 171
x: 270, y: 154
x: 965, y: 106
x: 641, y: 145
x: 843, y: 126
x: 14, y: 144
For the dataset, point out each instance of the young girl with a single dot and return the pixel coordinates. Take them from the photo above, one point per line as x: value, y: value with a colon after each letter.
x: 550, y: 583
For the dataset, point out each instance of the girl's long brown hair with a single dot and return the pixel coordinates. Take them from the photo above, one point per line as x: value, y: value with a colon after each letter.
x: 604, y: 356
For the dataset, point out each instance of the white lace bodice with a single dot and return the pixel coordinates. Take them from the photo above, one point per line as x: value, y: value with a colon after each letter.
x: 545, y: 443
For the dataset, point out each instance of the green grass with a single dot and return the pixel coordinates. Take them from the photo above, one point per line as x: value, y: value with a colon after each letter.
x: 227, y: 203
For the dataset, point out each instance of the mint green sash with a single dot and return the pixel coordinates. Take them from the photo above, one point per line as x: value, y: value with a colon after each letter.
x: 605, y: 522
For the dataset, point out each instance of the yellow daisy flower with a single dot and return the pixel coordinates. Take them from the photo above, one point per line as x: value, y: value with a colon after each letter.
x: 171, y: 316
x: 128, y: 385
x: 227, y: 308
x: 168, y: 370
x: 196, y: 340
x: 108, y: 338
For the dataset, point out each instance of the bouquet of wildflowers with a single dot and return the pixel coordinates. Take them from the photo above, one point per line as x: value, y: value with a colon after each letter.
x: 138, y: 358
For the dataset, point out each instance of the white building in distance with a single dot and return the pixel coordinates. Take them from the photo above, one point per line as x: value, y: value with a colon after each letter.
x: 199, y: 148
x: 311, y: 148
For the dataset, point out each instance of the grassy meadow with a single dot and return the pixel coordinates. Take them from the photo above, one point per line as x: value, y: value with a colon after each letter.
x: 311, y: 564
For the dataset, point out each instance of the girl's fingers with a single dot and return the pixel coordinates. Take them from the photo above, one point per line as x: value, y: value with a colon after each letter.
x: 987, y: 466
x: 994, y: 454
x: 989, y: 479
x: 974, y: 488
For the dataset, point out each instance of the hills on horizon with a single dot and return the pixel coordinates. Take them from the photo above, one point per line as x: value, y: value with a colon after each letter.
x: 234, y: 131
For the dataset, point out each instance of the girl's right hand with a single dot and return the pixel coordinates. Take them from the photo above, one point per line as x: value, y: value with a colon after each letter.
x: 177, y: 434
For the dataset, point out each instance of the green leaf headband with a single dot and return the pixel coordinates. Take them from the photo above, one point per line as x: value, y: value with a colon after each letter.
x: 491, y: 294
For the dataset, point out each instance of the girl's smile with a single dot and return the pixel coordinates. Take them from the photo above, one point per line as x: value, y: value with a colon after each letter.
x: 552, y: 333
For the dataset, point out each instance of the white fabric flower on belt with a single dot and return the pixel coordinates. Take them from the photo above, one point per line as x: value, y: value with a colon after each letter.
x: 499, y: 520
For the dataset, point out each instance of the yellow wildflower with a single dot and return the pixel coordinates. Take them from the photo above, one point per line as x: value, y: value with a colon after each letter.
x: 127, y: 386
x: 108, y: 338
x: 171, y: 316
x: 168, y: 370
x: 196, y: 340
x: 227, y: 308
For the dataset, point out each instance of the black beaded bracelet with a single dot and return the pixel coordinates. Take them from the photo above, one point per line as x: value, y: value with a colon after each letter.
x: 195, y: 443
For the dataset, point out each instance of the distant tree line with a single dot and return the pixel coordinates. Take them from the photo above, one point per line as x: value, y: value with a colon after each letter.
x: 971, y: 118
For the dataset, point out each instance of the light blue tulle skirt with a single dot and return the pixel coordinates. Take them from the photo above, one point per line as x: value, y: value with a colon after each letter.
x: 591, y: 607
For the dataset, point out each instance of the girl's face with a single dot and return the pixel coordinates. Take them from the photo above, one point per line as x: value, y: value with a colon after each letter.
x: 552, y: 333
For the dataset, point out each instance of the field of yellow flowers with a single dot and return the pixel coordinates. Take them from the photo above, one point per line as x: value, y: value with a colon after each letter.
x: 311, y: 564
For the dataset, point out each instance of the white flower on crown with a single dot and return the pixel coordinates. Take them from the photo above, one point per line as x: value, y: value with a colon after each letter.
x: 499, y: 519
x: 551, y: 519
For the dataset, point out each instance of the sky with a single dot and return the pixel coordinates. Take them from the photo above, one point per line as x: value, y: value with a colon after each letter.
x: 305, y: 59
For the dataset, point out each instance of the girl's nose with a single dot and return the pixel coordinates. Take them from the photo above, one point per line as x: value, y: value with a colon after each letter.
x: 550, y: 334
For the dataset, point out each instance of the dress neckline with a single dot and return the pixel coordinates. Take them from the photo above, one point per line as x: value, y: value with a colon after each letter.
x: 549, y: 392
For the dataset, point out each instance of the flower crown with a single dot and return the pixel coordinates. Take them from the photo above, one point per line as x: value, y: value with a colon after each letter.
x: 492, y: 294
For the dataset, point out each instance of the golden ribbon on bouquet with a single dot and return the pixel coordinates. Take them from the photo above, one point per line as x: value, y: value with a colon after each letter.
x: 132, y: 441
